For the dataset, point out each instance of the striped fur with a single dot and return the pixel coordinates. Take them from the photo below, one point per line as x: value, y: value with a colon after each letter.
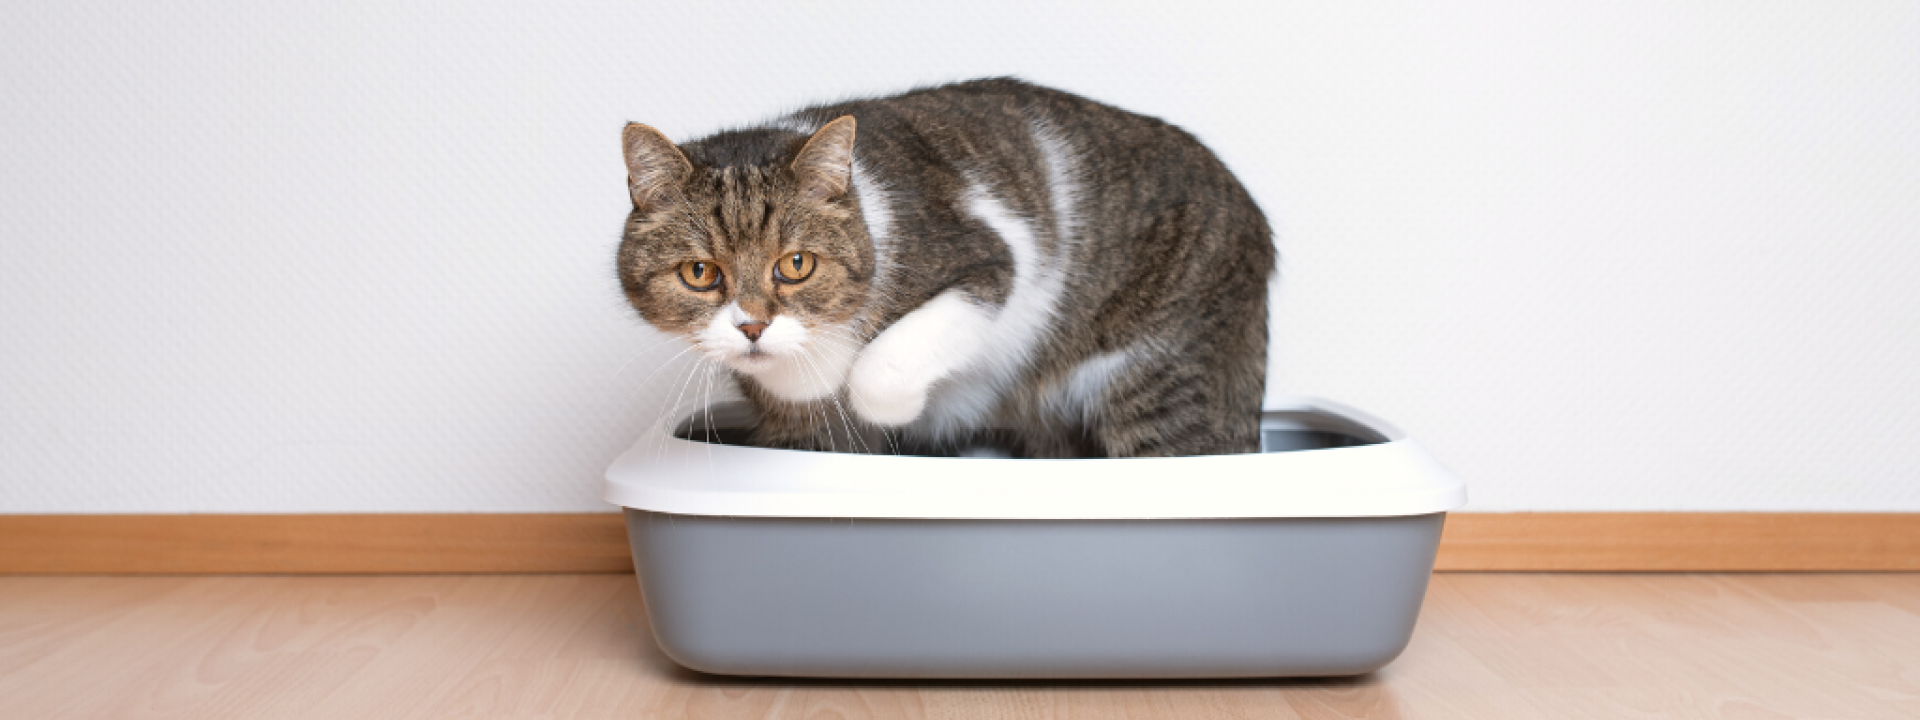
x: 992, y: 255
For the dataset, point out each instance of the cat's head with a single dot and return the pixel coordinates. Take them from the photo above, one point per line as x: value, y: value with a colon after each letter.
x: 750, y: 245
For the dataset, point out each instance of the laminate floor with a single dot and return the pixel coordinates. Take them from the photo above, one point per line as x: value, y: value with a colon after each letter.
x: 559, y: 646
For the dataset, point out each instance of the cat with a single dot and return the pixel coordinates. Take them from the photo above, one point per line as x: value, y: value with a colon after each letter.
x: 984, y: 255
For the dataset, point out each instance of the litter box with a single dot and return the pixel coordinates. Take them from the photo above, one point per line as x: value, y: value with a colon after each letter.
x: 1309, y: 558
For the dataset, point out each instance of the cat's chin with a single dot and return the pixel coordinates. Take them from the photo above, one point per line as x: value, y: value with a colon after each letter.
x: 791, y: 377
x: 753, y: 363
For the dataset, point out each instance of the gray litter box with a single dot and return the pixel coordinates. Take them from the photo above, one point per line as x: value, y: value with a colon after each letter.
x: 1310, y: 558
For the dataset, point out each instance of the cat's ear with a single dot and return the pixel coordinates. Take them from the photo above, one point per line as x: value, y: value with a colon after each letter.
x: 824, y: 166
x: 655, y: 168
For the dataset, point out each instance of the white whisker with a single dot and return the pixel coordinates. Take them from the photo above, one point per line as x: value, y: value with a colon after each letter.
x: 835, y: 398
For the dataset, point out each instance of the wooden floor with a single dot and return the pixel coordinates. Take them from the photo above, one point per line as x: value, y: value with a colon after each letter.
x: 1488, y: 647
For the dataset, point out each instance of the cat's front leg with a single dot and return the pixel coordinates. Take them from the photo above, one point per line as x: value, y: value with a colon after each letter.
x: 890, y: 380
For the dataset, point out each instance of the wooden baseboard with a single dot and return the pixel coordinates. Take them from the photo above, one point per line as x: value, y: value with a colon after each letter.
x: 597, y: 543
x: 1681, y: 542
x: 314, y: 544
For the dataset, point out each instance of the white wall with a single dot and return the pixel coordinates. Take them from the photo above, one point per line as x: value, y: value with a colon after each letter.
x: 312, y: 258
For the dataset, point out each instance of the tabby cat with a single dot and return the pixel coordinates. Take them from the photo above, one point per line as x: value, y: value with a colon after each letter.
x: 982, y: 255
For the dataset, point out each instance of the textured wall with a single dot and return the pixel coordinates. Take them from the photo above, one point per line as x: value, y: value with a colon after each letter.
x: 309, y: 257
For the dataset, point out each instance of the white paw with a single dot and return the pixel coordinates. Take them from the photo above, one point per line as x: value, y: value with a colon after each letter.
x: 883, y: 395
x: 890, y: 380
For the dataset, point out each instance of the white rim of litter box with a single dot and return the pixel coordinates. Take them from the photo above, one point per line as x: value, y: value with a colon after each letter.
x: 1397, y: 477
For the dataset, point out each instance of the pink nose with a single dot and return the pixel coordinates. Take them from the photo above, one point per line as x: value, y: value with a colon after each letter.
x: 752, y: 330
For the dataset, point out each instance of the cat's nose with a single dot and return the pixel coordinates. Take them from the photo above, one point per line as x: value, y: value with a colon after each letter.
x: 752, y: 330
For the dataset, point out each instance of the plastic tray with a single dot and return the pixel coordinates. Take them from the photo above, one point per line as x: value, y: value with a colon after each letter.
x: 1310, y: 558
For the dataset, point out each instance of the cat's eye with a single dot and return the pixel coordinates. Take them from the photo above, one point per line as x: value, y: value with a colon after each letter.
x: 701, y: 275
x: 794, y: 267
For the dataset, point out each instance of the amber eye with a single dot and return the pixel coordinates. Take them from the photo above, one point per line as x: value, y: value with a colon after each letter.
x: 794, y: 267
x: 701, y: 275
